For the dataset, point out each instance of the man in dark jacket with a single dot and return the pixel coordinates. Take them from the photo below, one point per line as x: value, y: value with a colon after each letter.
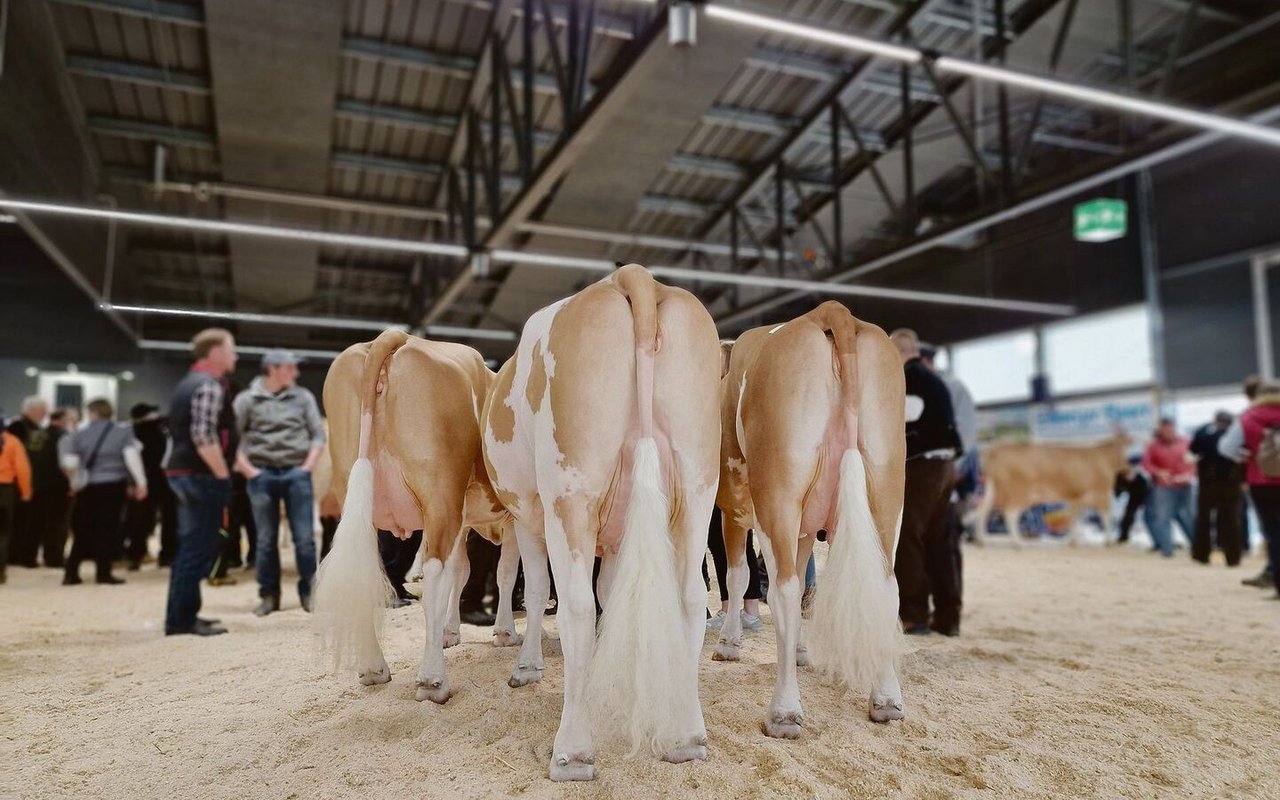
x: 1220, y: 494
x: 22, y: 550
x: 203, y: 428
x: 151, y: 430
x: 926, y: 563
x: 51, y: 498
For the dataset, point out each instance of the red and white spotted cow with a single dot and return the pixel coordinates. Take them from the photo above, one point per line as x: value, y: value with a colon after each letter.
x: 602, y: 436
x: 404, y: 421
x: 813, y: 438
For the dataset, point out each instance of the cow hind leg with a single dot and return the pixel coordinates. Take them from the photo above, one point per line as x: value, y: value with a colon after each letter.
x: 537, y: 589
x: 780, y: 532
x: 440, y: 568
x: 691, y: 533
x: 573, y: 753
x: 461, y: 571
x: 1013, y: 521
x: 504, y: 629
x: 728, y: 645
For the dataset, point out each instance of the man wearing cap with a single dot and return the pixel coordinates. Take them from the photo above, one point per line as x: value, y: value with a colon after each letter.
x: 1218, y: 501
x: 281, y: 437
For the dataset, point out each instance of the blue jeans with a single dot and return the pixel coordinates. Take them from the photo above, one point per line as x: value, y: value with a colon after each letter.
x: 202, y: 500
x: 1170, y: 504
x: 292, y: 486
x: 811, y: 574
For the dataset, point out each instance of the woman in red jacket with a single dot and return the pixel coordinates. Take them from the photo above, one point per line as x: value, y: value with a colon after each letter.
x: 15, y: 482
x: 1241, y: 443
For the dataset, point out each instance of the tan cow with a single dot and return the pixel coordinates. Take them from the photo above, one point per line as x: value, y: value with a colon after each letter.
x: 404, y: 418
x: 814, y: 438
x: 601, y: 436
x: 1018, y: 476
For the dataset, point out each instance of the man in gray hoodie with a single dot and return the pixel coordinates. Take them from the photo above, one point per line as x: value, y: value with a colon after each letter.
x: 281, y: 437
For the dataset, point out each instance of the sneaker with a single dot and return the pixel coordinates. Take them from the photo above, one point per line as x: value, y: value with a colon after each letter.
x: 270, y: 603
x: 306, y: 603
x: 222, y: 581
x: 716, y: 622
x: 199, y: 629
x: 751, y: 622
x: 1262, y: 580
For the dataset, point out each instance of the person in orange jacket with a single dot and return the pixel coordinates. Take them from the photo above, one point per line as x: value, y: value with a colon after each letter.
x: 15, y: 483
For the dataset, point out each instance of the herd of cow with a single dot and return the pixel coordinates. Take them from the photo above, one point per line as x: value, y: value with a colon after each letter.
x: 615, y: 430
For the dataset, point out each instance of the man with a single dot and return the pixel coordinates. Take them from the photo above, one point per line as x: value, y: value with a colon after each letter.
x: 1166, y: 461
x: 281, y: 437
x: 1133, y: 483
x: 15, y: 485
x: 1219, y: 498
x: 1252, y: 442
x: 22, y: 550
x: 926, y: 562
x: 202, y: 427
x: 149, y: 428
x: 51, y: 500
x: 966, y: 466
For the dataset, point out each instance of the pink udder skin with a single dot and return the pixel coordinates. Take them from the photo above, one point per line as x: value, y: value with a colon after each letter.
x: 395, y: 508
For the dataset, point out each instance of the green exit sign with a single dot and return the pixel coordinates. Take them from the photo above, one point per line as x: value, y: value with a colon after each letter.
x: 1101, y: 220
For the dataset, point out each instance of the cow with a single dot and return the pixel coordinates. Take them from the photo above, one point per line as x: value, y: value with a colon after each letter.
x: 404, y: 418
x: 1018, y: 476
x: 601, y: 437
x: 814, y: 439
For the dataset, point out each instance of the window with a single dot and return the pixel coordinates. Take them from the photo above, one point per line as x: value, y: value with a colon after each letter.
x: 1101, y: 351
x: 996, y: 369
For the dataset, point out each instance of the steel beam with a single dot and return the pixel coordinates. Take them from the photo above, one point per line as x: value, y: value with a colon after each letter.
x: 144, y: 131
x: 137, y: 73
x: 159, y: 10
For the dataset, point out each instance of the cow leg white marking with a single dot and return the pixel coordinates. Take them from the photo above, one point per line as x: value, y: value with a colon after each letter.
x: 504, y: 629
x: 537, y: 588
x: 573, y: 754
x: 415, y: 572
x: 785, y: 716
x: 1012, y: 516
x: 736, y: 578
x: 803, y: 550
x: 1074, y: 510
x: 886, y: 701
x: 461, y: 571
x: 692, y: 530
x: 437, y: 589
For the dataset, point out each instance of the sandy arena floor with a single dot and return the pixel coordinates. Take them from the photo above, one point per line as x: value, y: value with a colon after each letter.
x: 1084, y: 673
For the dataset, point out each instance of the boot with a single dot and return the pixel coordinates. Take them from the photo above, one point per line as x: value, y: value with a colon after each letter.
x: 1262, y: 580
x: 306, y: 603
x: 270, y: 602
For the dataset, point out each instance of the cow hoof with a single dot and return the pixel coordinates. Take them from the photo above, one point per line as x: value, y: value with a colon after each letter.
x: 523, y: 676
x: 573, y: 768
x: 436, y: 690
x: 451, y: 639
x: 507, y: 638
x: 802, y: 658
x: 886, y: 709
x: 373, y: 677
x: 695, y: 750
x: 726, y: 651
x: 784, y: 726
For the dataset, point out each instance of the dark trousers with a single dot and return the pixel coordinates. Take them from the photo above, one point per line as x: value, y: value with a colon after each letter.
x: 95, y: 520
x: 715, y: 543
x: 483, y: 579
x: 925, y: 563
x: 51, y: 519
x: 236, y: 523
x: 22, y: 538
x: 397, y: 557
x: 328, y: 527
x: 1266, y: 502
x: 1218, y: 507
x: 1131, y: 507
x: 139, y: 522
x: 201, y: 502
x: 8, y: 501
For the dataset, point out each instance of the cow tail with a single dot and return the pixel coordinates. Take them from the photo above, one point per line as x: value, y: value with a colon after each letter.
x: 856, y: 636
x: 643, y: 681
x: 351, y: 588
